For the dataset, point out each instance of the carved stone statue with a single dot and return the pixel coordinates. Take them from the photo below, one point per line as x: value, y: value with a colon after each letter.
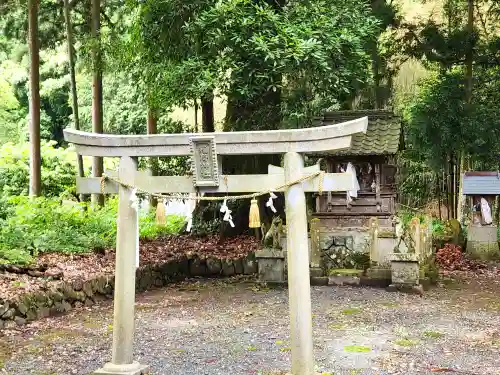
x: 272, y: 238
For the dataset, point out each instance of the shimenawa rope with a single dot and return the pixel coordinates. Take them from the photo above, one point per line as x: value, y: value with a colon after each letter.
x: 321, y: 174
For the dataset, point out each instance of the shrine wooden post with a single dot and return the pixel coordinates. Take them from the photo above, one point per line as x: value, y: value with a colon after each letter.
x: 206, y: 151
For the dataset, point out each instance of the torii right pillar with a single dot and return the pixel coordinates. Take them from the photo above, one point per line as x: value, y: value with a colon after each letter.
x: 298, y: 269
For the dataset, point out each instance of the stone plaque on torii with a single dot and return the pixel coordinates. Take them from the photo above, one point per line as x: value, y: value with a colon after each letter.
x: 206, y: 150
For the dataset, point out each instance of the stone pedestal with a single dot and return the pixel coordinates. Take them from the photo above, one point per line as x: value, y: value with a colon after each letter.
x: 271, y: 265
x: 345, y: 277
x: 128, y: 369
x: 482, y: 242
x: 315, y: 269
x: 405, y: 273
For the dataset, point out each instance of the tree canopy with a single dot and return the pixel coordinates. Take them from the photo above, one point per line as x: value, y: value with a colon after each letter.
x: 306, y: 53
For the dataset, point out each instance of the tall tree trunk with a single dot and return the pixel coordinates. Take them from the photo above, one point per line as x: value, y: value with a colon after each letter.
x: 376, y: 78
x: 452, y: 189
x: 469, y: 53
x: 196, y: 116
x: 438, y: 183
x: 449, y: 187
x: 153, y: 161
x: 447, y: 193
x: 460, y: 195
x: 497, y: 206
x: 74, y: 97
x: 456, y: 184
x: 207, y: 114
x: 97, y: 117
x: 468, y: 96
x: 35, y: 187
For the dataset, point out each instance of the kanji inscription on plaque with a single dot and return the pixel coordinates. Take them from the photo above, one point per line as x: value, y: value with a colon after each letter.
x: 204, y: 158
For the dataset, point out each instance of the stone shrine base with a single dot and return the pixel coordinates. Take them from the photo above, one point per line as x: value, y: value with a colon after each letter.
x: 377, y: 276
x: 482, y: 243
x: 403, y: 274
x: 345, y: 277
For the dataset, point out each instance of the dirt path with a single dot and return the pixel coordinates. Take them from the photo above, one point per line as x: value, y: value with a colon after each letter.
x: 217, y: 327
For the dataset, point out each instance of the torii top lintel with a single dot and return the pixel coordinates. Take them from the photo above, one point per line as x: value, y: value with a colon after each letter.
x: 308, y: 140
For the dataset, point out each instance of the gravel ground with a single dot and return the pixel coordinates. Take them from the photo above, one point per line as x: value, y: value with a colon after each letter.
x: 224, y: 327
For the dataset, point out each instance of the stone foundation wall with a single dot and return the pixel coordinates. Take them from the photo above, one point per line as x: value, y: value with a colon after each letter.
x: 341, y: 248
x: 67, y: 295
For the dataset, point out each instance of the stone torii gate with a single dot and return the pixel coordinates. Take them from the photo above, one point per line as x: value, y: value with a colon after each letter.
x: 207, y: 149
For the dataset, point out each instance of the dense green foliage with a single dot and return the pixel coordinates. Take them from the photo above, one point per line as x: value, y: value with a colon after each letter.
x: 46, y: 225
x: 55, y: 223
x: 453, y: 115
x: 10, y: 115
x: 440, y: 122
x: 58, y: 170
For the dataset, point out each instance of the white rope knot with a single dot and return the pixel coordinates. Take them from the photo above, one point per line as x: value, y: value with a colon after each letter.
x: 134, y: 200
x: 270, y: 203
x: 227, y: 213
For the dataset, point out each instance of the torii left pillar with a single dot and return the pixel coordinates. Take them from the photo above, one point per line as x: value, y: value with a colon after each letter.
x: 122, y: 361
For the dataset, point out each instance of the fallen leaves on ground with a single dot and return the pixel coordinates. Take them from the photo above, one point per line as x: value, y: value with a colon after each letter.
x: 451, y: 258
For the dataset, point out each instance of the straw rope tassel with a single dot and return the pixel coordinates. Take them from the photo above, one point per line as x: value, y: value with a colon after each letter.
x: 161, y: 217
x: 254, y: 217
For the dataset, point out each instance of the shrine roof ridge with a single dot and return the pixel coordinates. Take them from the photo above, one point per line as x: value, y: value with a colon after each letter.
x: 322, y: 138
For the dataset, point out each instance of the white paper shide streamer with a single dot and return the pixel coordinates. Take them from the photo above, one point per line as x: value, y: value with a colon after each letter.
x: 190, y: 206
x: 270, y: 201
x: 227, y: 213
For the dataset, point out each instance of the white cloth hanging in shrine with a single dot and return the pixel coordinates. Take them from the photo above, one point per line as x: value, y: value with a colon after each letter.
x: 352, y: 193
x: 486, y: 212
x: 182, y: 208
x: 175, y: 207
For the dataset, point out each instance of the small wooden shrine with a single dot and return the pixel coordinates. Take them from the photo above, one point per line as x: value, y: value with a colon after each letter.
x: 478, y: 186
x: 372, y: 155
x: 481, y: 189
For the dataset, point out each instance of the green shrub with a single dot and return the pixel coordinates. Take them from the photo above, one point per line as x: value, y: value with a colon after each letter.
x: 206, y: 218
x: 58, y: 170
x: 438, y: 227
x: 150, y: 230
x: 44, y: 224
x: 47, y: 225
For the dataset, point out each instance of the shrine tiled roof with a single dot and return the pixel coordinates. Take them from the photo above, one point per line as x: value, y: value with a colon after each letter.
x: 383, y: 136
